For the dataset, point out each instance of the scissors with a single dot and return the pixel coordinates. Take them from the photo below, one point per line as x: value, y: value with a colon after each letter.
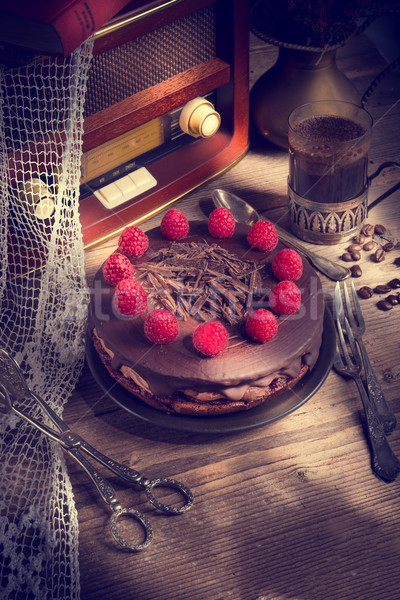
x: 73, y: 444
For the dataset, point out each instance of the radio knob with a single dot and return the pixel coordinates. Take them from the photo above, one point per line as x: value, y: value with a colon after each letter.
x: 199, y: 118
x: 36, y: 198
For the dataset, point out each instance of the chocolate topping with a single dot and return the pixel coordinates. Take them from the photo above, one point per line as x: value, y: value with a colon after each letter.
x: 201, y: 280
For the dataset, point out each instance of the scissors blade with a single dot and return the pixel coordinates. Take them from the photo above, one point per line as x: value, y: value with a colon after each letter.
x: 9, y: 402
x: 51, y: 413
x: 11, y: 376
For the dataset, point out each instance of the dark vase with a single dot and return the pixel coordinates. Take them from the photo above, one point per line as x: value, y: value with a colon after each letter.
x: 298, y: 77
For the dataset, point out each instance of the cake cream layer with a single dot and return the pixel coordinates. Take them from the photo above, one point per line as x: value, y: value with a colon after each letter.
x: 244, y: 364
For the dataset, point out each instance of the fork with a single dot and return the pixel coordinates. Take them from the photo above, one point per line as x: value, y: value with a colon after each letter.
x: 384, y: 463
x: 357, y: 324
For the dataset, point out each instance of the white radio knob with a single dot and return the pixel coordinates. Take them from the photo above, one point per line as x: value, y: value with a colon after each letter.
x: 199, y: 118
x: 36, y: 198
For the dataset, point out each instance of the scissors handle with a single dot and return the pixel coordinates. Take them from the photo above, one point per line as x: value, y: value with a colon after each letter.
x: 106, y: 490
x: 143, y: 522
x: 126, y: 473
x: 108, y: 494
x: 172, y: 484
x: 132, y: 476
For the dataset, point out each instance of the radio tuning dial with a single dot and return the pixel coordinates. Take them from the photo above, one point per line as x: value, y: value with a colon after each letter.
x: 199, y: 118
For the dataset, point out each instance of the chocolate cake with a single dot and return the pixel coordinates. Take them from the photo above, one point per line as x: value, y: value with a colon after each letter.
x: 199, y: 279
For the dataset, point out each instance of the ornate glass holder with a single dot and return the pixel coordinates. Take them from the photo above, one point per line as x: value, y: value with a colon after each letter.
x: 328, y: 223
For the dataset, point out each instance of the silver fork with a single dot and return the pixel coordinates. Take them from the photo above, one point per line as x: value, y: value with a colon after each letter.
x: 357, y: 325
x: 383, y: 461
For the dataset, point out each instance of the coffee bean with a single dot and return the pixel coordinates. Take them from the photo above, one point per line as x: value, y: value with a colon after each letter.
x: 369, y: 245
x: 367, y: 230
x: 388, y: 247
x: 394, y: 283
x: 379, y: 255
x: 384, y: 305
x: 359, y: 239
x: 382, y: 289
x: 393, y: 299
x: 379, y: 229
x: 365, y: 292
x: 347, y: 257
x: 354, y: 248
x: 356, y: 271
x: 397, y: 261
x: 355, y: 255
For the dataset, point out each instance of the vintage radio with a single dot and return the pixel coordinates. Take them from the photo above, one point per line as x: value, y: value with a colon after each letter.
x: 166, y: 109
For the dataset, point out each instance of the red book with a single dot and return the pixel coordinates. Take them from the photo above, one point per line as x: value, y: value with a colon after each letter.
x: 54, y: 26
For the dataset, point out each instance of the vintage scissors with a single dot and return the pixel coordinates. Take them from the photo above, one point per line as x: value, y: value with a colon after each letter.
x: 16, y: 388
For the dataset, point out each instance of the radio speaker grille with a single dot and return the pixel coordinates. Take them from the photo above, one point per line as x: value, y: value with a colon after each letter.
x: 151, y: 59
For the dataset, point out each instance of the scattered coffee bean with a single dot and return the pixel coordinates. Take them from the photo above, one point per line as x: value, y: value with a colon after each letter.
x: 369, y: 245
x: 397, y: 261
x: 347, y: 257
x: 355, y: 255
x: 384, y: 305
x: 354, y: 248
x: 394, y: 283
x: 379, y: 255
x: 356, y: 271
x: 359, y: 239
x: 388, y: 247
x: 365, y: 292
x: 382, y: 289
x: 379, y: 229
x: 393, y: 299
x: 367, y: 230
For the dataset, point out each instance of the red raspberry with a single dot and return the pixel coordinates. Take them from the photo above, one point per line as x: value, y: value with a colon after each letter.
x: 210, y: 338
x: 133, y: 241
x: 263, y: 236
x: 174, y: 225
x: 221, y: 223
x: 261, y: 325
x: 161, y: 326
x: 285, y: 298
x: 287, y: 264
x: 130, y: 299
x: 117, y: 267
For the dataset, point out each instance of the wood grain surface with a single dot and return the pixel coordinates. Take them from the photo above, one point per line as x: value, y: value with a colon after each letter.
x: 286, y: 511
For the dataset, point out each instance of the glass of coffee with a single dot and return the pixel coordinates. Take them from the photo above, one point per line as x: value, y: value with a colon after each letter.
x: 329, y: 143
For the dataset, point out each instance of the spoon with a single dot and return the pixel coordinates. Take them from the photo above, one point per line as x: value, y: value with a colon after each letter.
x: 245, y: 213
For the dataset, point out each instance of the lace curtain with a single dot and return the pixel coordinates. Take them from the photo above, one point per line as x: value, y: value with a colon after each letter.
x: 43, y: 309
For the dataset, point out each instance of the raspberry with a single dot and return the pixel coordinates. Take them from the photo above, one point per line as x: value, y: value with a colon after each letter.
x: 161, y: 326
x: 285, y: 298
x: 210, y: 338
x: 133, y: 241
x: 261, y: 325
x: 174, y: 225
x: 117, y: 267
x: 263, y: 236
x: 130, y: 299
x: 287, y: 264
x: 221, y: 223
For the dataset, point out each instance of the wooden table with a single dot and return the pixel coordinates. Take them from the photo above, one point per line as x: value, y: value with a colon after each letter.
x: 289, y: 510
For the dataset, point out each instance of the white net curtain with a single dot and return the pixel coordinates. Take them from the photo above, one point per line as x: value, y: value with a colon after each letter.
x: 43, y: 307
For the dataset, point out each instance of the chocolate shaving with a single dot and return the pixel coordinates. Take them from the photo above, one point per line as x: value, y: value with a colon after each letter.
x: 201, y: 280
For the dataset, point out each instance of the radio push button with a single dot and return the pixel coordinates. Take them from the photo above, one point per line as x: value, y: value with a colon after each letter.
x: 199, y: 118
x: 111, y: 194
x: 127, y: 187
